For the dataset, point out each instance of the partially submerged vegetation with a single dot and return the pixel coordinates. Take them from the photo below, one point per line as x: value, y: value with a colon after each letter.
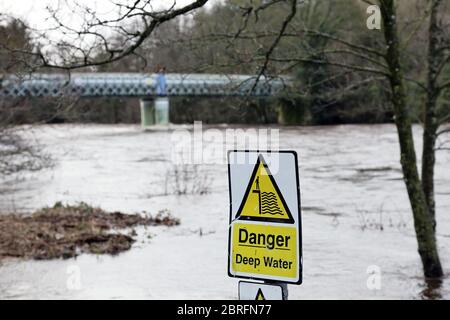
x: 65, y: 231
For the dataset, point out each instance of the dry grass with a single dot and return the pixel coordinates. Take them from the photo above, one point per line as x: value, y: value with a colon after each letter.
x: 66, y: 231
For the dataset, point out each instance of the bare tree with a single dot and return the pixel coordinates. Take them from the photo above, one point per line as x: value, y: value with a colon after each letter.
x: 436, y: 84
x: 17, y: 153
x: 99, y: 39
x: 423, y: 220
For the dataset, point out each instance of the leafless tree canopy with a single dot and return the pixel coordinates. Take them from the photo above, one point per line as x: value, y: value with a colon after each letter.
x: 81, y: 36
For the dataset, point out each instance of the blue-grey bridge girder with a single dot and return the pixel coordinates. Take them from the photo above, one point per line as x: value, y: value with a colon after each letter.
x: 136, y: 85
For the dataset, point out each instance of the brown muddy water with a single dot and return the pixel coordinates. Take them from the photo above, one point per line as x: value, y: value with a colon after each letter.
x: 358, y: 237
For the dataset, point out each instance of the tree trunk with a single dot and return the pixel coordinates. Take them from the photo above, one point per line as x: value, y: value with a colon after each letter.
x: 428, y: 155
x: 422, y: 220
x: 430, y: 115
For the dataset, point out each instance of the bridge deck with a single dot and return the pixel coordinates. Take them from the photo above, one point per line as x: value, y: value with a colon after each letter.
x: 136, y: 85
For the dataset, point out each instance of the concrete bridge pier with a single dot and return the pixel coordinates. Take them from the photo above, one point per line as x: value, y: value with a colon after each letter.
x: 154, y: 111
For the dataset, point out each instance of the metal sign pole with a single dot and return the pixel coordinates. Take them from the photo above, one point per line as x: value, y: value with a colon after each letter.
x: 284, y: 287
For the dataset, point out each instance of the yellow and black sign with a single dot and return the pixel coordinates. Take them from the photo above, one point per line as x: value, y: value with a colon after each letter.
x: 260, y: 295
x: 263, y: 200
x: 265, y: 225
x: 260, y: 291
x: 265, y: 250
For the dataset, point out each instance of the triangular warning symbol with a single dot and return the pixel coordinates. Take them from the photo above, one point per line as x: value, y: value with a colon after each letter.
x: 260, y: 295
x: 263, y: 200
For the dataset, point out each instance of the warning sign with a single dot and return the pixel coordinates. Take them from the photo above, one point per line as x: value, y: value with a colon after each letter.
x: 265, y: 250
x: 260, y: 295
x: 265, y: 225
x: 259, y: 291
x: 263, y: 200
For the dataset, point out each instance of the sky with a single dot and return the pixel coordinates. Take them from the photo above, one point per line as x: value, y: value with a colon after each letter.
x: 72, y: 14
x: 35, y: 13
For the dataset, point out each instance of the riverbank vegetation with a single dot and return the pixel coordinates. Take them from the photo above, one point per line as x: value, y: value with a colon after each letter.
x: 65, y: 231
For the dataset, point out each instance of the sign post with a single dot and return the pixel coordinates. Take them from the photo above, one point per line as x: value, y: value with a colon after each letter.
x: 265, y: 219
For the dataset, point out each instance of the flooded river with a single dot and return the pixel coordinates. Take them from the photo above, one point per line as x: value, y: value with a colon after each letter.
x: 358, y: 237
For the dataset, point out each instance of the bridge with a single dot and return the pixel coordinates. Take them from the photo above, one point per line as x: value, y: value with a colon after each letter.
x: 154, y: 104
x: 136, y: 85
